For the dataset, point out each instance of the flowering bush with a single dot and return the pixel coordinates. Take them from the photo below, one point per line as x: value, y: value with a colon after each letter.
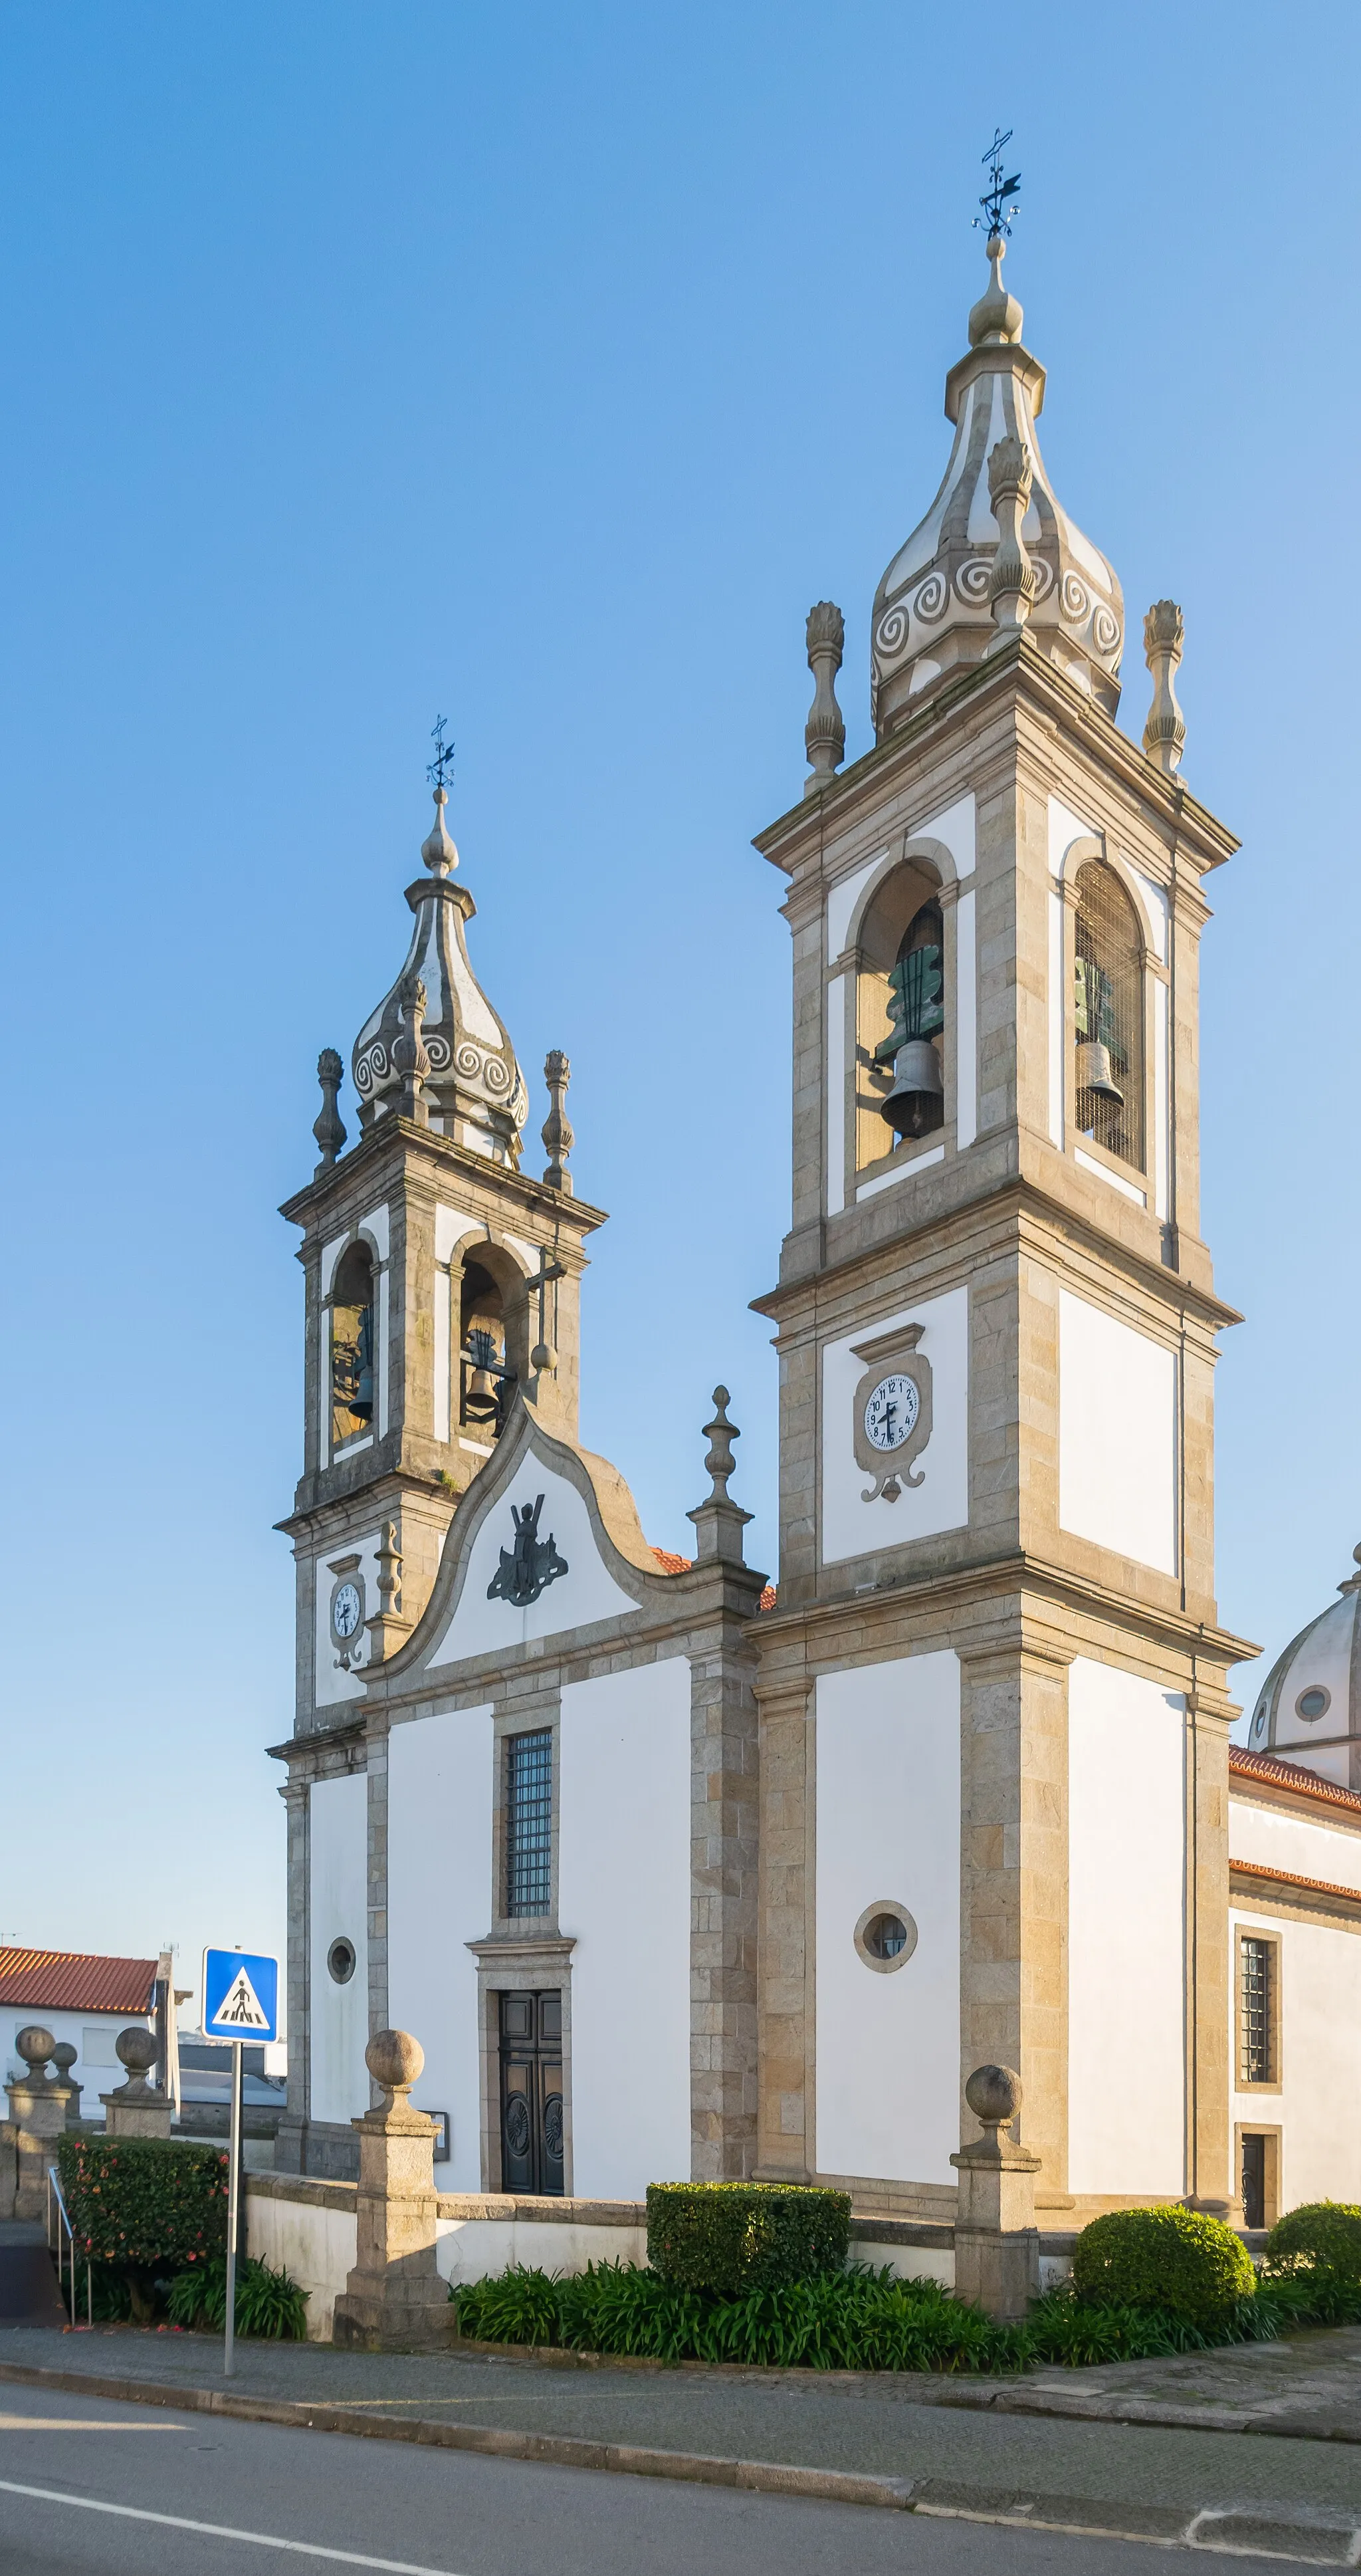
x: 152, y: 2203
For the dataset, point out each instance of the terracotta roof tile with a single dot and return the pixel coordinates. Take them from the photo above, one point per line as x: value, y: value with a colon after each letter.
x: 1293, y: 1776
x: 1291, y: 1878
x: 672, y: 1564
x: 75, y: 1981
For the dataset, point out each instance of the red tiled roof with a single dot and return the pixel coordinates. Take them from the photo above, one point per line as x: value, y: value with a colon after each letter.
x: 1291, y: 1878
x: 75, y: 1981
x: 1293, y: 1776
x: 681, y: 1565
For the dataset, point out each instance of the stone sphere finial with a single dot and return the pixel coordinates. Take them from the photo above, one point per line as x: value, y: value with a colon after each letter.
x: 996, y: 316
x: 35, y: 2045
x: 394, y: 2060
x: 136, y: 2049
x: 64, y: 2056
x: 993, y: 2094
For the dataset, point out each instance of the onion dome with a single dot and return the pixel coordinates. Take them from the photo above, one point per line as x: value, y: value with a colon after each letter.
x: 1309, y: 1707
x: 933, y: 609
x: 473, y: 1085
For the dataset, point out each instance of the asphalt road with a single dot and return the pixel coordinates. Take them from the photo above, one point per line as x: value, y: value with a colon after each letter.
x: 91, y: 2487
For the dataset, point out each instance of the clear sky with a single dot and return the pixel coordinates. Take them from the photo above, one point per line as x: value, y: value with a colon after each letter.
x: 540, y: 367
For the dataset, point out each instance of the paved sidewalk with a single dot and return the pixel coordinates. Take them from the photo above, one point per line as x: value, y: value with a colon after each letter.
x: 1137, y: 2447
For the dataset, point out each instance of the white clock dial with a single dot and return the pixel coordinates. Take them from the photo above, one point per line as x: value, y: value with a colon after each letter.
x: 891, y: 1412
x: 345, y: 1610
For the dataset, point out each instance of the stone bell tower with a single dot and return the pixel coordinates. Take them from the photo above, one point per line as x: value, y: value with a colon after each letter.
x: 994, y: 1691
x: 440, y: 1277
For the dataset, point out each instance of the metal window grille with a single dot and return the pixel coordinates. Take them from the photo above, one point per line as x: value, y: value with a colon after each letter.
x: 529, y: 1823
x: 1255, y: 2011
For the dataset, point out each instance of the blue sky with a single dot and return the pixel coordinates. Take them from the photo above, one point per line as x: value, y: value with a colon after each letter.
x: 541, y: 367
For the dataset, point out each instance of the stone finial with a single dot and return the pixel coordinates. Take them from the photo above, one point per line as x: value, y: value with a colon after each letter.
x: 558, y: 1138
x: 993, y: 2094
x: 35, y: 2044
x: 997, y: 2246
x: 64, y: 2056
x: 1353, y: 1583
x: 1011, y: 586
x: 437, y: 849
x: 1165, y: 731
x: 825, y: 732
x: 996, y: 317
x: 137, y: 2049
x: 329, y: 1128
x: 409, y: 1054
x: 719, y: 1521
x: 394, y: 2060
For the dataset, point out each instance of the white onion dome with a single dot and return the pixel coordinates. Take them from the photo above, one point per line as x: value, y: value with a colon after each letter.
x: 474, y: 1087
x: 932, y: 610
x: 1309, y: 1707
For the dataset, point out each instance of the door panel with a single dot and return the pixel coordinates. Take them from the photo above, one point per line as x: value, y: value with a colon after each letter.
x: 531, y: 2093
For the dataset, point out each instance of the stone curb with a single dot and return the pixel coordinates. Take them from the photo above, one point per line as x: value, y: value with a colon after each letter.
x: 1318, y: 2540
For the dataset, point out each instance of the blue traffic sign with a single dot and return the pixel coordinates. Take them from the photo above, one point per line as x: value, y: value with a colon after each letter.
x: 240, y: 1995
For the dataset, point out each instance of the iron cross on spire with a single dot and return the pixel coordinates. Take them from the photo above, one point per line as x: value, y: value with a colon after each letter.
x: 440, y: 766
x: 996, y: 199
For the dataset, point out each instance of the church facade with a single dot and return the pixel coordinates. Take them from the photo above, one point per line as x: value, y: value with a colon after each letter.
x: 674, y: 1873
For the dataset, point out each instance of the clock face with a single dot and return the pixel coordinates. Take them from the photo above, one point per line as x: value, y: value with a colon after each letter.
x: 891, y: 1412
x: 345, y: 1610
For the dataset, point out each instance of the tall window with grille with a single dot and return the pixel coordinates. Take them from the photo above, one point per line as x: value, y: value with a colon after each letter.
x: 529, y: 1823
x: 1256, y: 1972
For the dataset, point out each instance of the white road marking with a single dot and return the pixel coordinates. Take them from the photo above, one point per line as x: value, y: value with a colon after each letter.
x: 80, y: 2424
x: 221, y: 2530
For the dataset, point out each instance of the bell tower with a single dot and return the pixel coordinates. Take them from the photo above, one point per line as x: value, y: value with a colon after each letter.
x: 441, y: 1277
x: 994, y: 1692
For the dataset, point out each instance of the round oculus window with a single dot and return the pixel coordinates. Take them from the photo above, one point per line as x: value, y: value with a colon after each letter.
x: 340, y: 1959
x: 886, y: 1936
x: 1313, y: 1703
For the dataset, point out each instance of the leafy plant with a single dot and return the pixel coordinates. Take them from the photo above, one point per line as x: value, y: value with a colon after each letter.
x: 268, y: 2303
x: 1175, y: 2260
x: 728, y: 2237
x: 155, y: 2204
x: 1321, y: 2237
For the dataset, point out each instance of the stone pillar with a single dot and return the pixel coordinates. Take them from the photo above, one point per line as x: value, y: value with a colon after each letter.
x: 37, y: 2118
x: 394, y: 2299
x: 136, y: 2109
x: 997, y: 2244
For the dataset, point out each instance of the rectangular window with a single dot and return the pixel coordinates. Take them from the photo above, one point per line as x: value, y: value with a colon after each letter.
x: 1256, y: 1966
x: 529, y: 1823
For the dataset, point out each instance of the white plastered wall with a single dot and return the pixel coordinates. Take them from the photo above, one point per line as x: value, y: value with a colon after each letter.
x: 850, y: 1525
x: 624, y: 1899
x: 1126, y: 1937
x: 439, y: 1898
x: 587, y: 1591
x: 338, y: 1837
x: 1320, y: 2041
x: 1294, y: 1843
x: 888, y: 1832
x: 1117, y: 1435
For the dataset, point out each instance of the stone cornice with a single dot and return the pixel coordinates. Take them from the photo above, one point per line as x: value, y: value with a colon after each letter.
x: 1018, y: 667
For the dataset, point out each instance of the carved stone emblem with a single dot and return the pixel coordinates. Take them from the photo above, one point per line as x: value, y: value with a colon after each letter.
x: 531, y: 1565
x: 891, y: 1418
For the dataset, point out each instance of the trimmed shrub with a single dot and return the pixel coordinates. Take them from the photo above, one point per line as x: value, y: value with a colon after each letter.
x: 1176, y: 2260
x: 267, y: 2303
x: 157, y: 2204
x: 730, y: 2237
x: 1320, y: 2237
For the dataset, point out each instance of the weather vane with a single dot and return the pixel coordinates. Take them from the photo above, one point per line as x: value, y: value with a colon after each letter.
x: 1000, y: 215
x: 440, y: 766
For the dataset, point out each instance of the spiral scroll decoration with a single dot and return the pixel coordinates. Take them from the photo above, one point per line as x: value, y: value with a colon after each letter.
x: 972, y: 579
x: 931, y: 600
x: 1075, y: 599
x: 1105, y: 630
x: 373, y: 1067
x: 437, y: 1048
x: 890, y: 635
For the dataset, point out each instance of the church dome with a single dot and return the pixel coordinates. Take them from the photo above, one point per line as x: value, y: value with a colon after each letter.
x: 1309, y: 1707
x: 473, y: 1087
x: 933, y: 608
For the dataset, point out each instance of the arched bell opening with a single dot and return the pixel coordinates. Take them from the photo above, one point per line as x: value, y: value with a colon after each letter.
x: 900, y: 1015
x: 491, y: 1339
x: 353, y: 1346
x: 1108, y: 1015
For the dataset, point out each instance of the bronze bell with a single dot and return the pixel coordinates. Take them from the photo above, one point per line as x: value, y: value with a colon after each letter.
x: 911, y: 1105
x: 1094, y: 1072
x: 481, y: 1396
x: 361, y: 1402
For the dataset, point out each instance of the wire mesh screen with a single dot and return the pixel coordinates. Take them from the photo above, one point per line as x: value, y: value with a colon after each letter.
x: 1108, y: 1016
x: 529, y: 1823
x: 1255, y: 2011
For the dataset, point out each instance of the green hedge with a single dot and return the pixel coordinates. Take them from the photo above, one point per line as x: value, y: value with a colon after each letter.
x: 729, y: 2237
x: 267, y: 2302
x: 1175, y: 2260
x: 1321, y: 2236
x: 158, y: 2204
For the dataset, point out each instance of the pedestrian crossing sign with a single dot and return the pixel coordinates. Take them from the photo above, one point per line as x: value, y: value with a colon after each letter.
x: 240, y: 1995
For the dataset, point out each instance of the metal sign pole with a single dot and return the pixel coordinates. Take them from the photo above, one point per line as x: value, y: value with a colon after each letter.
x: 233, y: 2198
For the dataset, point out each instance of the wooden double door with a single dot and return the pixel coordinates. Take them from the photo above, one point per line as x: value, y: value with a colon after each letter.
x: 531, y: 2093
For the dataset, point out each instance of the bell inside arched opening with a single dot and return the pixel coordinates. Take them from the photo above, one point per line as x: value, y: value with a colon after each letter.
x: 353, y: 1369
x: 1108, y: 1015
x: 915, y: 1101
x: 487, y: 1378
